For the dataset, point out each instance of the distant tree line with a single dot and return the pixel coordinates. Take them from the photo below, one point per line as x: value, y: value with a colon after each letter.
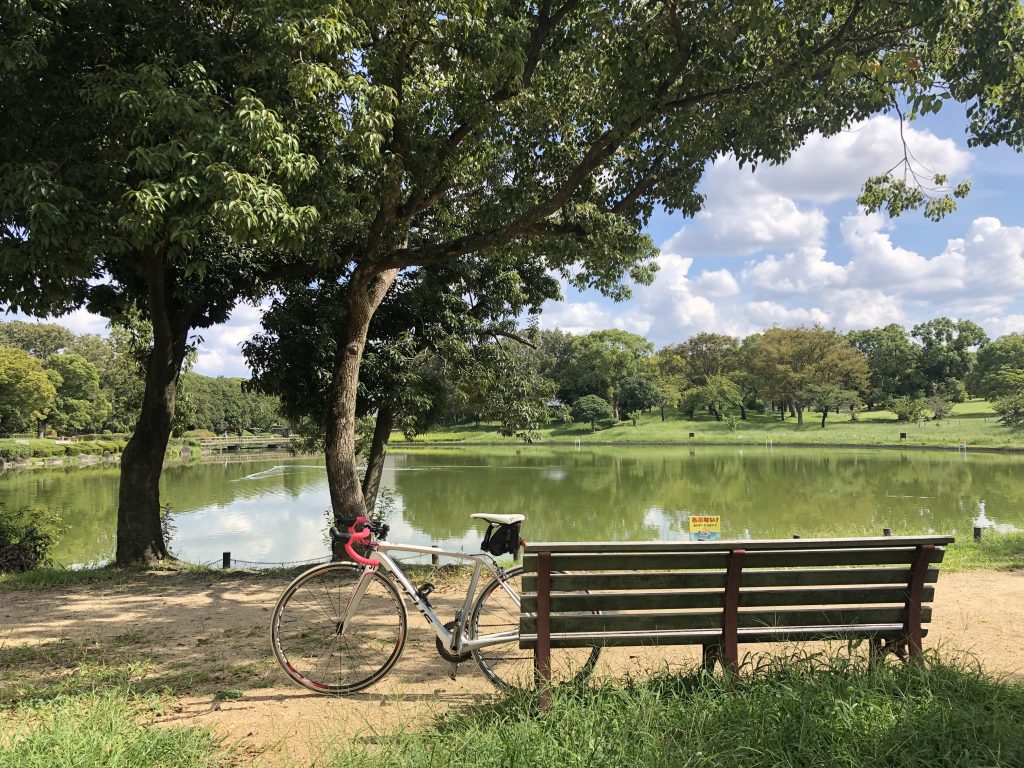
x: 917, y: 373
x: 53, y: 381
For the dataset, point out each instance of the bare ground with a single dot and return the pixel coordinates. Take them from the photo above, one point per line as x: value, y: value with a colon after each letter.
x: 203, y: 640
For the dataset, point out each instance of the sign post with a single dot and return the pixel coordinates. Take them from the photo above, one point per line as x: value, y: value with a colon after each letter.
x: 705, y: 527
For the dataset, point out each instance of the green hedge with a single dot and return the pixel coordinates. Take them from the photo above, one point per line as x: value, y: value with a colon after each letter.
x: 48, y: 449
x: 11, y: 450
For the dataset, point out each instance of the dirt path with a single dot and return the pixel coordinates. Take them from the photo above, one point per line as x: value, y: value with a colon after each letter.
x: 205, y: 639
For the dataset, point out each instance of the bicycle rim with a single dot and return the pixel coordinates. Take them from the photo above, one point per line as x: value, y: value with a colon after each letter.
x: 507, y: 665
x: 316, y: 651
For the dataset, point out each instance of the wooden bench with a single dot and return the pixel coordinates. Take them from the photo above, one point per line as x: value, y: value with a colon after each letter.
x: 719, y: 594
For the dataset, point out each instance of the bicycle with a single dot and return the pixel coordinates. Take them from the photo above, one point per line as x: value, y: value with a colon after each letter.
x: 341, y: 626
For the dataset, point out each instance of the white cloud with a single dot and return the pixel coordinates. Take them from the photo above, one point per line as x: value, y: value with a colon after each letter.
x: 766, y: 313
x: 717, y: 284
x: 741, y: 217
x: 801, y: 271
x: 828, y: 169
x: 1000, y: 326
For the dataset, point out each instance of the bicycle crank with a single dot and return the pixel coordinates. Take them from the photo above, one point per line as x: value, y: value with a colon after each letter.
x: 446, y: 654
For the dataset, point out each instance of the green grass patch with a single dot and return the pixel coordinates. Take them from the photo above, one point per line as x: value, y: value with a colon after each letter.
x: 797, y: 714
x: 108, y: 729
x: 995, y: 550
x: 974, y: 423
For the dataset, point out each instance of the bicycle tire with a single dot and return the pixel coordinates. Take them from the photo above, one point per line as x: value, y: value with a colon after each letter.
x: 306, y: 630
x: 507, y: 665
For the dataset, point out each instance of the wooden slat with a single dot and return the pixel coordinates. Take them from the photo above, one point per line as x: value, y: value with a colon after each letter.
x: 572, y: 582
x: 648, y: 639
x: 717, y: 560
x: 723, y: 545
x: 673, y: 600
x: 654, y: 622
x: 815, y: 577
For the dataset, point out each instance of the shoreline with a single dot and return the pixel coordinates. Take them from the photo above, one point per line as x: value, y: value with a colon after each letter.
x: 1008, y: 449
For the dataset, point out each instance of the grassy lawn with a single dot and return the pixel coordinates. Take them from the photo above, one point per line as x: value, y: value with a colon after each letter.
x: 972, y: 422
x: 801, y: 712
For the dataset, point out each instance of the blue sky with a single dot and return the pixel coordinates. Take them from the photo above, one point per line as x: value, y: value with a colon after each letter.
x: 787, y: 245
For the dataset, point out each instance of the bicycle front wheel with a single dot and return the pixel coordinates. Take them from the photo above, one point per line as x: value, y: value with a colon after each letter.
x: 320, y: 651
x: 507, y: 665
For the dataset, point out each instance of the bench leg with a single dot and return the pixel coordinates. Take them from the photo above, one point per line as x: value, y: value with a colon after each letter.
x: 711, y: 655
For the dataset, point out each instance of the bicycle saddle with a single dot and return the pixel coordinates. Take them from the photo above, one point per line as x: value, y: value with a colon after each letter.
x: 499, y: 519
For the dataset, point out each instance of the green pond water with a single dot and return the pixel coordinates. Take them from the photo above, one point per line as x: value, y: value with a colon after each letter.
x: 273, y: 510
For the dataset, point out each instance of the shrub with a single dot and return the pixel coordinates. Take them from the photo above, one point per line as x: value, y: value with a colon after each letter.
x: 26, y: 537
x: 908, y: 408
x: 45, y: 449
x: 11, y: 450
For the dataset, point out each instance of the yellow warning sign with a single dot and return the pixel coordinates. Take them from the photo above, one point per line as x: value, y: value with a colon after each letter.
x: 705, y: 527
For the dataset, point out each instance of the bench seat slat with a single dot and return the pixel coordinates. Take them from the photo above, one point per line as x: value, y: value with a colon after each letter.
x: 760, y: 559
x: 750, y: 619
x: 749, y: 545
x: 770, y: 635
x: 673, y: 600
x: 570, y: 582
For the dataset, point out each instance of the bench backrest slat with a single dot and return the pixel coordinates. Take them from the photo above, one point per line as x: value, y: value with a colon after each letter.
x: 754, y: 619
x: 555, y: 547
x: 667, y: 600
x: 625, y: 561
x: 568, y: 582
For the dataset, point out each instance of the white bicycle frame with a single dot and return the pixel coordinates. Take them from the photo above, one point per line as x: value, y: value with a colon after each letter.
x: 454, y: 640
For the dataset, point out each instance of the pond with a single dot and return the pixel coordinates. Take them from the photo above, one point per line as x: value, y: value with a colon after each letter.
x: 273, y: 510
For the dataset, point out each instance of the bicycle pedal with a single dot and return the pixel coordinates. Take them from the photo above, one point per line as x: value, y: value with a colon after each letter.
x: 425, y: 591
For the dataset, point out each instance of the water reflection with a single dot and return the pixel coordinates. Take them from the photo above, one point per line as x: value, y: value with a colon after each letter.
x: 273, y: 511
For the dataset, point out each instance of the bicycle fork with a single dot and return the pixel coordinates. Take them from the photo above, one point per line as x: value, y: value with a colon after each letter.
x: 355, y: 598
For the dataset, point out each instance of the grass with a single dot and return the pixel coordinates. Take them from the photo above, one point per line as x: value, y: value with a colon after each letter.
x: 995, y: 551
x: 108, y: 730
x: 799, y: 713
x: 972, y: 422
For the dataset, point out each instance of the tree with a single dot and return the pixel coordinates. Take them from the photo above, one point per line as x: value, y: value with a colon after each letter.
x: 1000, y: 367
x: 716, y: 394
x: 947, y: 349
x: 157, y: 160
x: 794, y: 363
x: 709, y: 354
x: 667, y: 393
x: 1010, y: 409
x: 637, y: 393
x: 600, y: 362
x: 79, y: 403
x: 553, y: 132
x: 26, y: 392
x: 939, y: 405
x: 893, y: 361
x: 593, y: 409
x: 829, y: 397
x: 38, y: 339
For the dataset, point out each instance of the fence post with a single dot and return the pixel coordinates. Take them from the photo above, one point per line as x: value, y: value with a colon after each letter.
x: 226, y: 560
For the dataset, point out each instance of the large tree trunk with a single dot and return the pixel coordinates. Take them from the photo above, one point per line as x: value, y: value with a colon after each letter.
x: 139, y: 532
x: 663, y: 413
x: 824, y: 415
x: 366, y: 290
x: 800, y: 414
x: 743, y: 412
x: 375, y: 461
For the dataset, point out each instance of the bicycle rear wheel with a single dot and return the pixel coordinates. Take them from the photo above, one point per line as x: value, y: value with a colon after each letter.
x: 507, y: 665
x: 313, y: 647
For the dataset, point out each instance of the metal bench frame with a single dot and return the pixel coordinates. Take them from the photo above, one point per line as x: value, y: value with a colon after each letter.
x: 600, y: 571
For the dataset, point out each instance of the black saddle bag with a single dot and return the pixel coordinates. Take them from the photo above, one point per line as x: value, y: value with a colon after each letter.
x: 502, y: 539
